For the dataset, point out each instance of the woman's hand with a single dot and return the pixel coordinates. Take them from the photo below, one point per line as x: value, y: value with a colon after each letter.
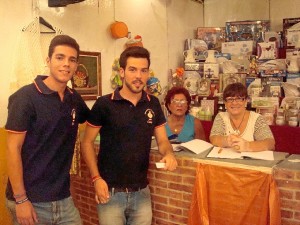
x: 238, y: 143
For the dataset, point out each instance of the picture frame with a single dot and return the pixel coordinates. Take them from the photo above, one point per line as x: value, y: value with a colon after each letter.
x: 87, y: 78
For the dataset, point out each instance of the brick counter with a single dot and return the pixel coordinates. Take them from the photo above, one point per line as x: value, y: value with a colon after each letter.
x: 172, y: 191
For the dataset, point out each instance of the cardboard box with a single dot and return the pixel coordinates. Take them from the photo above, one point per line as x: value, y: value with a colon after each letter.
x: 271, y: 86
x: 291, y: 77
x: 213, y: 36
x: 253, y: 85
x: 238, y: 48
x: 211, y: 70
x: 267, y: 50
x: 287, y: 23
x: 292, y: 37
x: 264, y: 102
x: 229, y: 78
x: 193, y: 66
x: 246, y: 30
x: 292, y: 51
x: 272, y: 68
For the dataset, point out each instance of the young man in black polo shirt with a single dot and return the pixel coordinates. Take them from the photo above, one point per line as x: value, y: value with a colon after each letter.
x: 126, y: 119
x: 42, y: 126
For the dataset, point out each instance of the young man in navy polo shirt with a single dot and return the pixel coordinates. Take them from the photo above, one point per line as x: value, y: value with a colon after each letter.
x: 42, y: 126
x: 126, y: 119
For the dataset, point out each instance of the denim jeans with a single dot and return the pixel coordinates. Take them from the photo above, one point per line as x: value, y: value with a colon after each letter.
x: 61, y: 212
x: 132, y: 208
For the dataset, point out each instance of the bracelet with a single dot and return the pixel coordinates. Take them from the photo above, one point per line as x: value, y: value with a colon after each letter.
x: 95, y: 178
x: 99, y: 178
x: 20, y: 195
x: 22, y: 201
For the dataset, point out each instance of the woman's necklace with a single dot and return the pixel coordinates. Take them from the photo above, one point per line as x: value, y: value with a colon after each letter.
x: 178, y: 125
x: 237, y: 129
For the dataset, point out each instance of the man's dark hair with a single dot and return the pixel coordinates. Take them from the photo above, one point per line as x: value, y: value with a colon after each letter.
x: 135, y: 52
x: 63, y: 40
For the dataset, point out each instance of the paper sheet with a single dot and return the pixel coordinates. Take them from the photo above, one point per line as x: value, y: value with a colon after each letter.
x: 196, y: 145
x: 229, y: 153
x: 224, y: 153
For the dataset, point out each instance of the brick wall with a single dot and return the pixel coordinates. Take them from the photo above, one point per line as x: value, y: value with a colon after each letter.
x: 172, y: 194
x: 288, y: 182
x: 84, y: 195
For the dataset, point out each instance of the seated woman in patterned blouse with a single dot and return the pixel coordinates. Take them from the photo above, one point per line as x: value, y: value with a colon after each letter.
x: 239, y: 128
x: 181, y: 126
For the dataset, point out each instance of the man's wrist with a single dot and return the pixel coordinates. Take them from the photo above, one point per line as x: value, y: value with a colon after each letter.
x: 95, y: 178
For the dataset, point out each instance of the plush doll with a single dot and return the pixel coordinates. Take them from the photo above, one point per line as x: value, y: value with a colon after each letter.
x: 153, y: 86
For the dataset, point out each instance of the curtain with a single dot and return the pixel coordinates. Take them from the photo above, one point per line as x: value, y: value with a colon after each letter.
x: 235, y: 196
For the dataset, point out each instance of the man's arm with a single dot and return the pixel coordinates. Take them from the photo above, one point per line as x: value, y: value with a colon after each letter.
x: 90, y: 158
x: 165, y: 148
x: 25, y: 212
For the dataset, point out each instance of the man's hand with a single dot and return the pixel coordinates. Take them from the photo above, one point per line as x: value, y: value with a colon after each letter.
x: 101, y: 189
x: 171, y: 162
x: 26, y: 214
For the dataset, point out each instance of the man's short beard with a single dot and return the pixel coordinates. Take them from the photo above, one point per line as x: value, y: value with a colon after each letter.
x: 131, y: 89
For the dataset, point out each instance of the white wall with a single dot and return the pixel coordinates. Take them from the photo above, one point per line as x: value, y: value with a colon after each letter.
x: 163, y: 25
x: 217, y: 12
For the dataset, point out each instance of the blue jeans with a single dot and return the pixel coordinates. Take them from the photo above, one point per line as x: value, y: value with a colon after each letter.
x: 132, y: 208
x: 61, y: 212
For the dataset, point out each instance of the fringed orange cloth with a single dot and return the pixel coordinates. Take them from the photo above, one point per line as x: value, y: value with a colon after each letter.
x: 234, y: 196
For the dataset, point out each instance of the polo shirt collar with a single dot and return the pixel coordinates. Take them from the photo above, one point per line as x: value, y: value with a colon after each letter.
x: 42, y: 87
x: 117, y: 96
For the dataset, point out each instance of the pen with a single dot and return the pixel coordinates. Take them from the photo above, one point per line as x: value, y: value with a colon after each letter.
x: 236, y: 147
x: 220, y: 150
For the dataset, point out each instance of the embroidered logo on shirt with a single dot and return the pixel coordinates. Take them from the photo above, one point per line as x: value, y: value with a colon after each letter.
x: 73, y: 115
x: 150, y: 114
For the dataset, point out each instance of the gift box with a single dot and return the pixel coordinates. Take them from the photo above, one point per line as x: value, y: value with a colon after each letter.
x: 195, y: 66
x: 267, y: 50
x: 271, y: 86
x: 288, y: 23
x: 292, y: 37
x: 213, y: 36
x: 238, y: 48
x: 246, y: 30
x: 272, y: 68
x: 211, y: 70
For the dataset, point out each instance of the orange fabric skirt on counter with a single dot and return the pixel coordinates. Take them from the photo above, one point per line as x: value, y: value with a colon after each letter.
x: 234, y: 196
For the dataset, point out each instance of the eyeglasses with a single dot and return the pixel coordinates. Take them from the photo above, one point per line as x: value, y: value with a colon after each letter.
x: 179, y: 101
x: 238, y: 99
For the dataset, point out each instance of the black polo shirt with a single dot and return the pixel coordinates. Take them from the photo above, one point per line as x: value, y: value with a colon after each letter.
x: 125, y: 142
x: 51, y: 127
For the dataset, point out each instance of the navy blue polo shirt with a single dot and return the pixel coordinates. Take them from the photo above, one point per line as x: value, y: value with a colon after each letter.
x: 125, y: 142
x: 51, y: 127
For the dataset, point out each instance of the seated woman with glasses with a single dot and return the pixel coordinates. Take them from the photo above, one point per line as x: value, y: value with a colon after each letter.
x: 239, y: 128
x: 181, y: 126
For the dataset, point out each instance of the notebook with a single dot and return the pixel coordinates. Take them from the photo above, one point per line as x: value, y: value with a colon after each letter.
x: 229, y: 153
x: 196, y: 146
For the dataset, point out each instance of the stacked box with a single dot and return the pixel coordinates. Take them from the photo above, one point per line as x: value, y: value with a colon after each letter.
x: 271, y: 86
x: 287, y: 23
x: 246, y: 30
